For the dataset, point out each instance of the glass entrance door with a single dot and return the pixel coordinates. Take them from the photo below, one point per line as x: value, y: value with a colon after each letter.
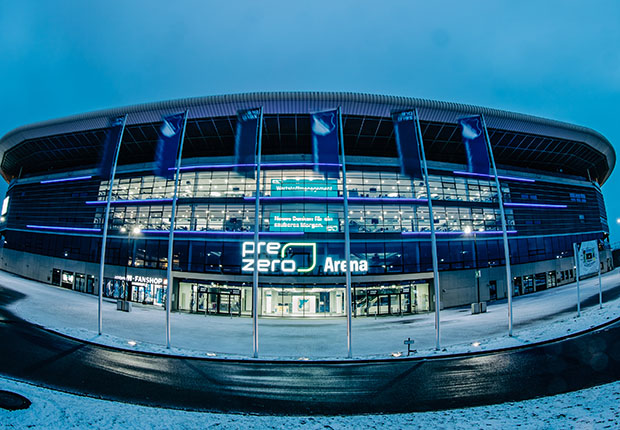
x: 224, y: 305
x: 395, y: 304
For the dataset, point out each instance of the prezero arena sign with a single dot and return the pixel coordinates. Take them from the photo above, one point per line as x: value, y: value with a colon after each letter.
x: 277, y: 257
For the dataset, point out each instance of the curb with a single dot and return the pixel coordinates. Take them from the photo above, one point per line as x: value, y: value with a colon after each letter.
x: 344, y: 361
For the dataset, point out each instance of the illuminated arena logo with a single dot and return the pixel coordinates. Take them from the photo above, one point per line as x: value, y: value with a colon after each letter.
x: 279, y: 258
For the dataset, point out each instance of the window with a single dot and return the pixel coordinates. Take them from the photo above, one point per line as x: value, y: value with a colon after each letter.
x: 578, y: 197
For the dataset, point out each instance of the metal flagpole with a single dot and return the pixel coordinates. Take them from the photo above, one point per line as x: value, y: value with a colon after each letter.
x: 256, y: 231
x: 433, y: 234
x: 177, y: 174
x: 576, y: 252
x: 104, y: 237
x: 600, y: 286
x: 504, y: 231
x: 347, y: 239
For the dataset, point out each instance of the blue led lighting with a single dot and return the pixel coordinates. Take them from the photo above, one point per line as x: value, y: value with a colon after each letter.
x: 265, y: 165
x: 49, y: 227
x: 77, y: 178
x: 247, y: 233
x: 387, y: 199
x: 319, y: 199
x: 351, y: 199
x: 428, y: 233
x: 533, y: 205
x: 124, y: 202
x: 482, y: 175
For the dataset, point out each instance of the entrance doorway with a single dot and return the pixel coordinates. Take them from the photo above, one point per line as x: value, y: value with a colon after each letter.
x: 391, y: 300
x: 218, y: 301
x: 386, y: 302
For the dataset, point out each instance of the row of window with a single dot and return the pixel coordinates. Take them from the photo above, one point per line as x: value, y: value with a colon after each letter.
x: 65, y: 205
x: 309, y: 217
x: 290, y: 183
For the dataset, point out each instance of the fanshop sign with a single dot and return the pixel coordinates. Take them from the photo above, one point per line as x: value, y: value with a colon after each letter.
x: 275, y: 257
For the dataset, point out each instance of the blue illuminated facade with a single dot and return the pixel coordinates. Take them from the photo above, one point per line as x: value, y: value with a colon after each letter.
x: 552, y: 198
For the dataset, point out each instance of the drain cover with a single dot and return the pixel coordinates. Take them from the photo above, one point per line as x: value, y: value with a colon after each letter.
x: 13, y: 401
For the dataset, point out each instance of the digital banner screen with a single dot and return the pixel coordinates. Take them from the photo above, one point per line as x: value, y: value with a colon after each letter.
x: 310, y: 222
x: 304, y: 187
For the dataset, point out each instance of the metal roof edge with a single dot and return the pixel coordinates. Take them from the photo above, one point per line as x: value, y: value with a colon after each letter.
x: 302, y: 101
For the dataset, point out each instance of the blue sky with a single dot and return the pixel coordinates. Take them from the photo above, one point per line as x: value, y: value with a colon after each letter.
x: 555, y: 59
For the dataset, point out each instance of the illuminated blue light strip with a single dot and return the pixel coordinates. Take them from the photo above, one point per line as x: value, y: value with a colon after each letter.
x: 533, y: 205
x: 319, y: 199
x: 351, y: 199
x: 124, y: 202
x: 282, y: 233
x: 265, y: 165
x: 473, y: 233
x: 482, y: 175
x: 77, y: 178
x: 387, y: 199
x: 49, y: 227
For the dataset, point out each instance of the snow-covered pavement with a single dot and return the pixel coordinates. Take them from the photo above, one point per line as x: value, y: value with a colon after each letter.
x: 592, y: 408
x: 540, y: 316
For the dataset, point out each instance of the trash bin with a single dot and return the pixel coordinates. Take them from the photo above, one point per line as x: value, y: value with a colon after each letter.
x: 119, y: 305
x: 127, y: 306
x: 483, y: 307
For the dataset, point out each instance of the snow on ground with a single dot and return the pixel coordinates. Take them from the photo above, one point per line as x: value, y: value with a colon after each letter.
x: 540, y: 316
x: 592, y: 408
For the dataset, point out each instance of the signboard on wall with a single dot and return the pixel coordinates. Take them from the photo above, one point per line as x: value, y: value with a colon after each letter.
x: 588, y: 258
x: 311, y: 222
x: 304, y: 187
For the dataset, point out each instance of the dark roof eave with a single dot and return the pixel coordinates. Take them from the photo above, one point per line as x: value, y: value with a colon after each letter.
x: 304, y: 102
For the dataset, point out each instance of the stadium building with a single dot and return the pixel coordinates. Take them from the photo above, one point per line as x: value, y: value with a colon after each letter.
x: 550, y: 173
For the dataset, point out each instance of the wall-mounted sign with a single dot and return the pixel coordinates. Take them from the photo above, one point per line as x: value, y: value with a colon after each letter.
x: 142, y: 279
x: 304, y: 187
x: 293, y: 257
x: 311, y: 222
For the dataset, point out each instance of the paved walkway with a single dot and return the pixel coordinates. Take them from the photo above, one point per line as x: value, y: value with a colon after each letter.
x: 540, y: 316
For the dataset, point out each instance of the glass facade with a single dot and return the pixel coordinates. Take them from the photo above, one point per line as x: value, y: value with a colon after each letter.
x: 303, y: 300
x: 223, y: 201
x: 301, y: 224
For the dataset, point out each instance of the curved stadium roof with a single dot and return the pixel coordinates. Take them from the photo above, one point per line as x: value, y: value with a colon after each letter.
x: 519, y: 141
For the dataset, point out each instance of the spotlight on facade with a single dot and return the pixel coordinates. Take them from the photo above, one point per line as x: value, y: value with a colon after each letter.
x: 136, y: 230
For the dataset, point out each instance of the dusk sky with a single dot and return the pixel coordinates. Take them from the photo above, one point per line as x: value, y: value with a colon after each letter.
x: 554, y: 59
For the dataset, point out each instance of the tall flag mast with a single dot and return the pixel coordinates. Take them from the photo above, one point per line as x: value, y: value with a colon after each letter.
x: 327, y: 137
x: 248, y: 142
x: 169, y: 150
x: 410, y: 149
x: 479, y: 150
x: 107, y: 170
